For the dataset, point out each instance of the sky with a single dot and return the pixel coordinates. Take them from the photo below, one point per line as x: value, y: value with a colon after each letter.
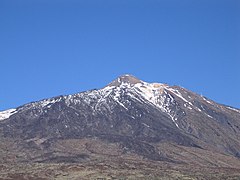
x: 58, y: 47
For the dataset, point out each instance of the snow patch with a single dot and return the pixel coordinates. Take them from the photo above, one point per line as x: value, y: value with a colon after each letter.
x: 199, y: 109
x: 155, y: 93
x: 146, y: 125
x: 7, y: 113
x: 151, y: 92
x: 236, y: 110
x: 178, y: 94
x: 46, y: 102
x: 209, y: 116
x: 209, y: 102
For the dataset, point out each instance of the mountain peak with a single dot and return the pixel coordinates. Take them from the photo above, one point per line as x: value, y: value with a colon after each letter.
x: 127, y: 79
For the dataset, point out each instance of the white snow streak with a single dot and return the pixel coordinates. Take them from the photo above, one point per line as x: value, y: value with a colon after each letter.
x: 7, y: 113
x: 236, y: 110
x: 178, y: 94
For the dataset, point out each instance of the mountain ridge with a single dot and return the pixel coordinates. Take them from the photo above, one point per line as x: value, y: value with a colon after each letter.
x: 115, y: 80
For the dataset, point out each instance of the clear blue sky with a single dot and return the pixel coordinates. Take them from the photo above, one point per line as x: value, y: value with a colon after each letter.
x: 54, y: 47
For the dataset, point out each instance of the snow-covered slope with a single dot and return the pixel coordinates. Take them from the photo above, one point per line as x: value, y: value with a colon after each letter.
x: 153, y: 93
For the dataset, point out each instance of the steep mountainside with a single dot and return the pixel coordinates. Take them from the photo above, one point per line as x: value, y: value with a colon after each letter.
x: 126, y: 119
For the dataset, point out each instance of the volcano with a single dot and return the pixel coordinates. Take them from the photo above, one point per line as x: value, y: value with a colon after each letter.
x: 155, y: 129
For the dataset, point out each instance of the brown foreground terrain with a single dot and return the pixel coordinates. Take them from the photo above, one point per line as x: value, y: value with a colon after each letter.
x: 97, y: 159
x: 116, y: 169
